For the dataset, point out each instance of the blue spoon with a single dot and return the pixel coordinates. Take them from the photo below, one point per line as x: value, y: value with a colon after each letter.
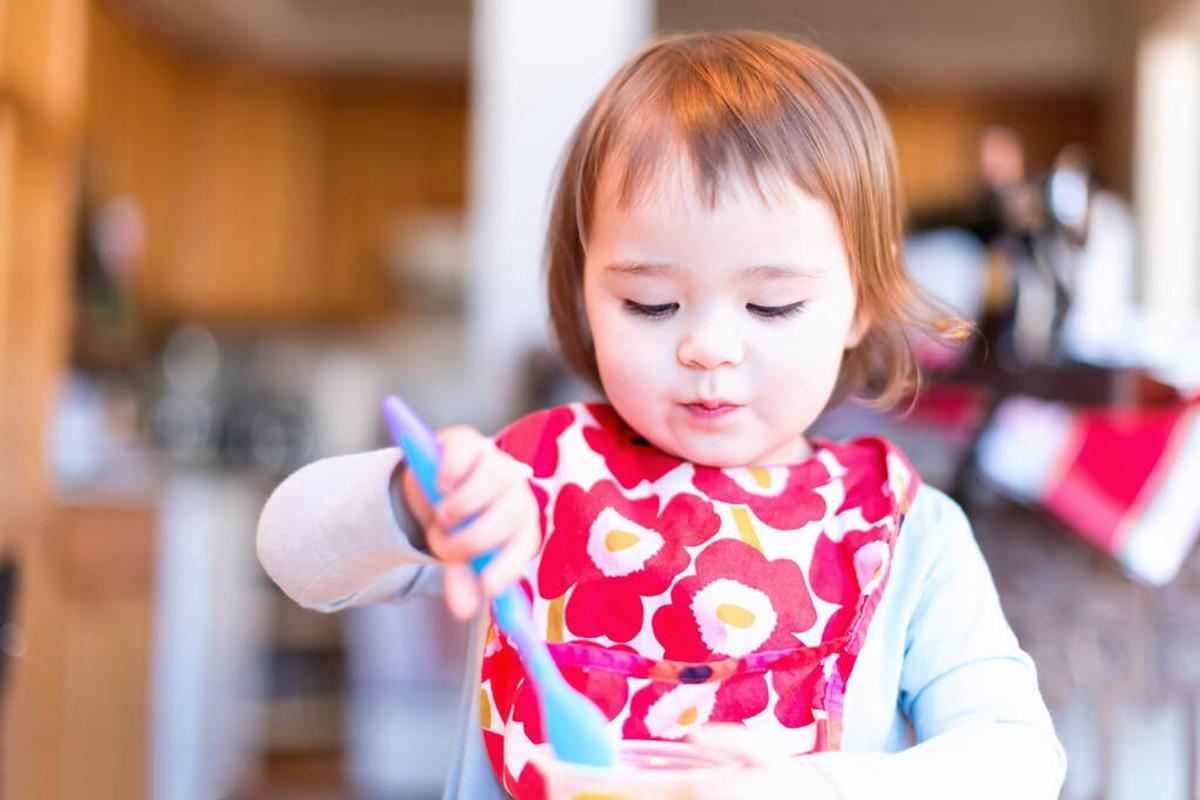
x: 576, y: 728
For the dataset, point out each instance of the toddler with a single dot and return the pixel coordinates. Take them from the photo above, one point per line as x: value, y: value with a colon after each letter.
x: 724, y: 264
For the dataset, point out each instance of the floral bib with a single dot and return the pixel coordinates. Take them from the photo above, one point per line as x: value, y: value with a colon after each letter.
x: 674, y: 594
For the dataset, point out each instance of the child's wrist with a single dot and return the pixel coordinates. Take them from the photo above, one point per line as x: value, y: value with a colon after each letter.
x: 402, y: 512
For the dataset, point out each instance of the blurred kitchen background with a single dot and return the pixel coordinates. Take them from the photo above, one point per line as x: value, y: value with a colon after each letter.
x: 228, y: 227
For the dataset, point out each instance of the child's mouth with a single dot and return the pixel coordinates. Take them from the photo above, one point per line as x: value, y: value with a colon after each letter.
x: 710, y: 411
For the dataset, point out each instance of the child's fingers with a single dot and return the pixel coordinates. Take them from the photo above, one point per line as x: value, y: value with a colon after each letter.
x: 478, y: 489
x: 487, y: 531
x: 436, y: 539
x: 768, y: 772
x: 509, y: 563
x: 415, y: 500
x: 462, y: 448
x: 462, y: 591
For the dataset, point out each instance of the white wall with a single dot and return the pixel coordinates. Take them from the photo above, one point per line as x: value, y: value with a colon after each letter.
x: 1167, y: 164
x: 536, y: 67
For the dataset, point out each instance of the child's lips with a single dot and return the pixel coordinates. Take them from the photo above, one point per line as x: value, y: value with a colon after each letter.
x: 710, y: 410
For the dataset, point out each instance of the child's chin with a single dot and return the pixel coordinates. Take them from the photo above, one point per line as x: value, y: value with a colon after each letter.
x: 716, y: 454
x: 738, y: 452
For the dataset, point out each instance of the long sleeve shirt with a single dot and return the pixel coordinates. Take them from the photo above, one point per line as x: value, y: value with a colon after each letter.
x: 938, y: 657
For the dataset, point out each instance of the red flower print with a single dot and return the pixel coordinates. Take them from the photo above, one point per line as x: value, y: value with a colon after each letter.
x: 533, y: 439
x: 798, y: 690
x: 831, y: 572
x: 493, y: 744
x: 781, y: 497
x: 528, y: 711
x: 543, y: 499
x: 663, y: 710
x: 502, y: 667
x: 839, y: 623
x: 643, y: 699
x: 616, y: 551
x: 529, y: 786
x: 512, y: 692
x: 736, y: 603
x: 834, y: 573
x: 867, y: 477
x: 630, y: 458
x: 608, y: 690
x: 739, y: 698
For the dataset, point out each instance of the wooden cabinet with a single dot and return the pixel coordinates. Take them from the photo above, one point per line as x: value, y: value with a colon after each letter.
x: 40, y: 93
x: 41, y: 75
x: 41, y: 60
x: 108, y: 552
x: 269, y: 197
x: 248, y: 233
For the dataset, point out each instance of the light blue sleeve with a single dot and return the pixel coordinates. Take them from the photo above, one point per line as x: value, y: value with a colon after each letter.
x: 970, y: 692
x: 962, y: 662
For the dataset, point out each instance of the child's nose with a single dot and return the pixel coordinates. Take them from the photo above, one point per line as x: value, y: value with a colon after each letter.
x: 710, y: 344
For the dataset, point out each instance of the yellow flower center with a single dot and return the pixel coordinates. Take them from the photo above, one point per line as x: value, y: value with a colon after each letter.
x: 736, y: 616
x: 485, y: 709
x: 616, y: 541
x: 761, y: 476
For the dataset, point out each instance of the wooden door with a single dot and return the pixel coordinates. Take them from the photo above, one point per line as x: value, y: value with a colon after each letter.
x: 41, y: 70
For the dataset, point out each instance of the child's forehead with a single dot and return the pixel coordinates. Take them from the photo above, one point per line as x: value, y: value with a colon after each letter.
x: 675, y: 176
x: 667, y: 218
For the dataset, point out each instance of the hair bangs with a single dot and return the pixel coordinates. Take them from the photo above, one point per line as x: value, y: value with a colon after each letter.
x: 722, y: 121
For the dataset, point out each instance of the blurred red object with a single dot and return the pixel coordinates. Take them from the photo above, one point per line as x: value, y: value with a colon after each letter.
x: 1123, y: 479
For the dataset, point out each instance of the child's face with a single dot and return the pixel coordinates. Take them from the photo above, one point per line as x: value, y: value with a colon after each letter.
x: 719, y: 332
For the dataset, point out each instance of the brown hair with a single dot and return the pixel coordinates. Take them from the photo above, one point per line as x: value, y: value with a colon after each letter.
x: 757, y: 106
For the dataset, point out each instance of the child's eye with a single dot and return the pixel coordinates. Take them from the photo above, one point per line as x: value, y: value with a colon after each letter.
x: 775, y: 312
x: 653, y: 311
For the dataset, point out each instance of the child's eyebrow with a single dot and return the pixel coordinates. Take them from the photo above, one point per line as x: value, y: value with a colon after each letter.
x: 774, y: 271
x: 765, y: 271
x: 641, y: 268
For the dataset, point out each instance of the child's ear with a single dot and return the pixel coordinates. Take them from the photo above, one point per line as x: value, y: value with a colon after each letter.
x: 858, y: 328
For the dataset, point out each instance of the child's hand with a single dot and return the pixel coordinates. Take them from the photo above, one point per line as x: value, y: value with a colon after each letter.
x: 770, y: 774
x: 477, y: 480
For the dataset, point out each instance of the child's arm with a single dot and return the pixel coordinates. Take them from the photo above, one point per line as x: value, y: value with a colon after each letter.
x: 355, y: 529
x: 980, y: 761
x: 971, y: 692
x: 331, y: 534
